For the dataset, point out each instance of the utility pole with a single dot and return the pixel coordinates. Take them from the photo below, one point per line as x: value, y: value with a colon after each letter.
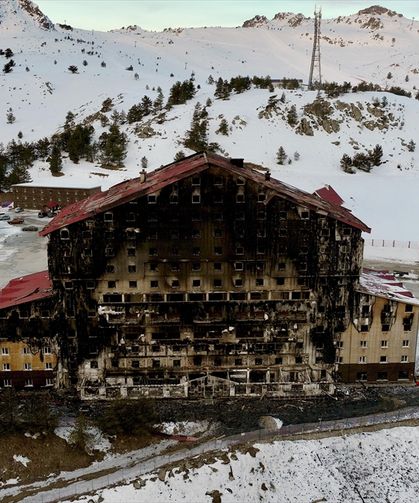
x: 315, y: 77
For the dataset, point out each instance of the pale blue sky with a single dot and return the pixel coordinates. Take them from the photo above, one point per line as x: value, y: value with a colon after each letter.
x: 159, y: 14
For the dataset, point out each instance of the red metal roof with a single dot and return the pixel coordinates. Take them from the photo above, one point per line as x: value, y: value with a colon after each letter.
x: 132, y: 189
x: 385, y: 284
x: 329, y: 194
x: 26, y: 289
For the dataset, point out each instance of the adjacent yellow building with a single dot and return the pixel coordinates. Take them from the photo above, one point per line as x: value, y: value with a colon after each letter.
x: 379, y: 344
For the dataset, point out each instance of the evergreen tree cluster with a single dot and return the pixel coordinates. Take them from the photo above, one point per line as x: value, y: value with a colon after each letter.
x: 263, y: 82
x: 7, y: 53
x: 112, y: 148
x: 15, y: 160
x: 363, y: 161
x: 76, y: 140
x: 197, y: 136
x: 333, y: 89
x: 181, y: 92
x: 239, y: 84
x: 411, y: 146
x: 281, y: 156
x: 137, y: 112
x: 8, y: 67
x: 366, y: 86
x: 286, y: 83
x: 399, y: 91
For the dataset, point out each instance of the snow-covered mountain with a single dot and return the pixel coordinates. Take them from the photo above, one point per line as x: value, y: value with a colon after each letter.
x: 375, y: 45
x: 21, y: 15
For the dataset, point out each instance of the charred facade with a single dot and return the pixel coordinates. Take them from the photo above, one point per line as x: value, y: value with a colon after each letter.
x: 29, y: 352
x: 204, y: 278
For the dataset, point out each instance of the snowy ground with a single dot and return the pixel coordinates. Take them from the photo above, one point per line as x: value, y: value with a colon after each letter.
x: 376, y: 467
x: 21, y: 252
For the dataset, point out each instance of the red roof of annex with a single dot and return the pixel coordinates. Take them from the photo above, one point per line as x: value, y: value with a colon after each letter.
x: 26, y: 289
x: 129, y: 190
x: 328, y: 193
x: 384, y: 284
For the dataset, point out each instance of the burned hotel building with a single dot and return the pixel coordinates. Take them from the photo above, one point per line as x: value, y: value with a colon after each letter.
x: 203, y: 278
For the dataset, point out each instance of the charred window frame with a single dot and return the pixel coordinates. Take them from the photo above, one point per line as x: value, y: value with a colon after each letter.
x: 64, y: 234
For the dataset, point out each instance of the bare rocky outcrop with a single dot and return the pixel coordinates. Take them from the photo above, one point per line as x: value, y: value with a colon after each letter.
x: 14, y: 13
x: 304, y: 128
x: 292, y: 19
x: 377, y: 10
x: 255, y: 22
x: 35, y: 12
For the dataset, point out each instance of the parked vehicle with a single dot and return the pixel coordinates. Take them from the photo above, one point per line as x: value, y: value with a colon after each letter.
x: 31, y: 228
x: 5, y: 217
x: 16, y: 221
x: 18, y: 209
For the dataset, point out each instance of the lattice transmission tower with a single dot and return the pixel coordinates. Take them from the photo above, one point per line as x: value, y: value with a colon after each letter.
x: 315, y: 77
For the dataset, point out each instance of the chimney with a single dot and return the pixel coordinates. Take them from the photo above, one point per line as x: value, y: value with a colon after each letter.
x: 143, y: 175
x: 267, y: 175
x: 237, y: 162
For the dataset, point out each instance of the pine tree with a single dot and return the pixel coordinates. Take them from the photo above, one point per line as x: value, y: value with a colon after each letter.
x: 42, y: 148
x: 281, y: 156
x: 179, y: 155
x: 222, y: 89
x: 158, y: 102
x: 106, y: 105
x: 10, y: 117
x: 144, y: 162
x: 223, y: 128
x: 411, y: 146
x: 113, y: 148
x: 362, y: 161
x: 146, y: 105
x: 292, y: 116
x: 346, y: 164
x: 55, y: 160
x: 376, y: 155
x: 80, y: 437
x: 77, y: 141
x: 197, y: 136
x: 296, y: 156
x: 69, y: 120
x: 73, y: 69
x: 8, y: 67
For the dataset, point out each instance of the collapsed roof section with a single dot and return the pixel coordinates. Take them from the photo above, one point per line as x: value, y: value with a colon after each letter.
x: 130, y: 190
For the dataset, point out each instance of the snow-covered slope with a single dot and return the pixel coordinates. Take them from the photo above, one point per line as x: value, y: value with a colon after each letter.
x: 367, y: 46
x: 377, y: 467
